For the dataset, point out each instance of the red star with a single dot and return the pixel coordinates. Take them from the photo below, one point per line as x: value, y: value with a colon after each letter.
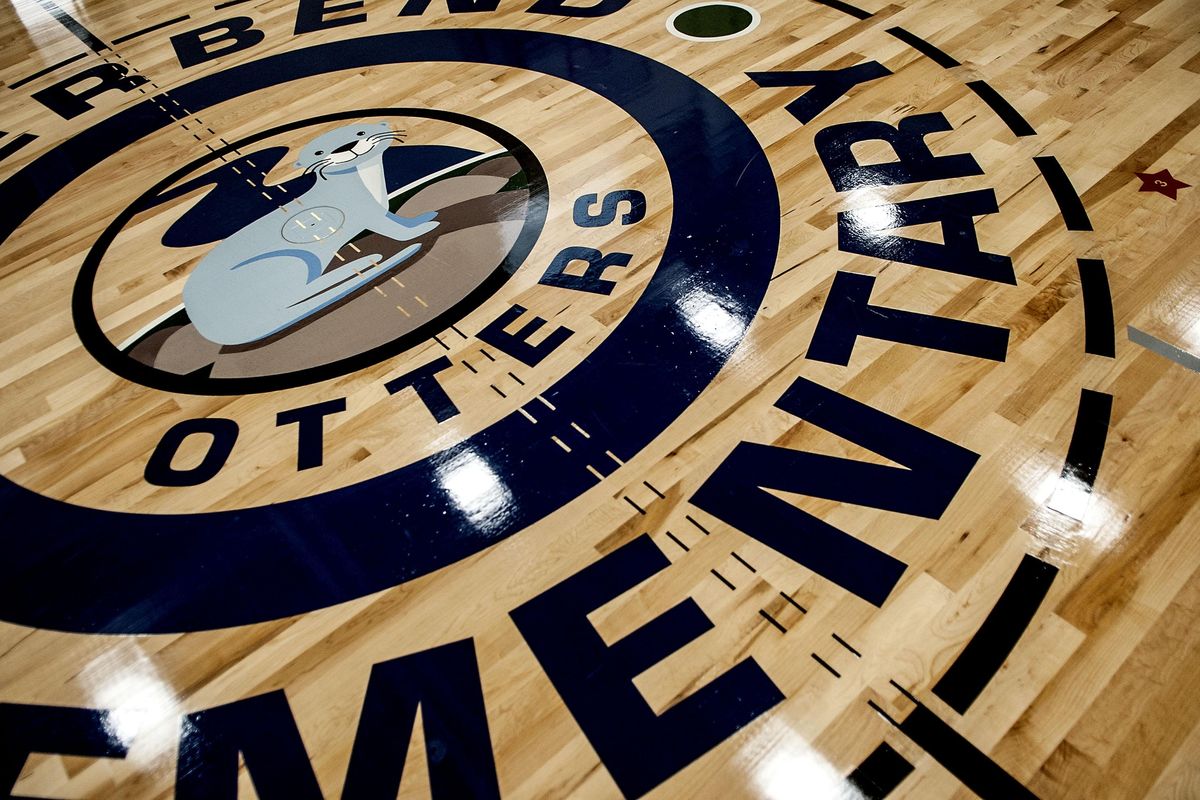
x: 1161, y: 182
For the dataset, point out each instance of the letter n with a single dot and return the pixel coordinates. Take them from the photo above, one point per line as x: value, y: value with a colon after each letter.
x: 933, y: 471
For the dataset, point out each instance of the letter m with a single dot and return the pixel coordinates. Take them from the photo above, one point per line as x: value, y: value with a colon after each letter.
x: 933, y: 471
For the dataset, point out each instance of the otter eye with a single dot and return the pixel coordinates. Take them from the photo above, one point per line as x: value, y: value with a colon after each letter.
x: 362, y: 133
x: 319, y: 153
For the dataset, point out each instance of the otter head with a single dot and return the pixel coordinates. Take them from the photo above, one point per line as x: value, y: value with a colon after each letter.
x: 347, y: 148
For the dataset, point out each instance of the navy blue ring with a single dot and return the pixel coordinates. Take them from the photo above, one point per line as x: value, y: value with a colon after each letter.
x: 72, y: 568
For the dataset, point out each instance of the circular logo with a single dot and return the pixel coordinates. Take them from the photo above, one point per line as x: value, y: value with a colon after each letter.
x: 705, y: 287
x: 385, y: 236
x: 691, y: 367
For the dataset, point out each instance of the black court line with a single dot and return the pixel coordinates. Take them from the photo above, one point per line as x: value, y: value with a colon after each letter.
x: 157, y: 26
x: 675, y: 539
x: 930, y: 51
x: 1099, y: 333
x: 229, y: 3
x: 846, y: 8
x: 661, y: 496
x: 1004, y: 109
x: 74, y: 26
x: 18, y: 141
x: 703, y: 529
x: 880, y: 773
x: 1088, y: 437
x: 762, y: 613
x: 845, y: 644
x: 723, y: 579
x: 46, y: 71
x: 822, y: 662
x: 742, y: 561
x: 638, y: 508
x: 788, y: 597
x: 905, y: 692
x: 964, y: 760
x: 1074, y: 215
x: 998, y: 635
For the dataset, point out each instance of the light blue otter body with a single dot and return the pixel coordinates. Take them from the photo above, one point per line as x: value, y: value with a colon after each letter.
x: 271, y: 274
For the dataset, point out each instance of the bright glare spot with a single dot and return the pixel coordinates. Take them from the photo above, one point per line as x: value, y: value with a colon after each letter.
x: 130, y: 688
x: 712, y: 321
x: 874, y: 218
x: 1070, y: 497
x: 474, y: 487
x: 794, y: 769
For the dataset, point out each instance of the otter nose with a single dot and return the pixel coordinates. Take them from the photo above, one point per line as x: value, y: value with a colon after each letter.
x: 344, y: 148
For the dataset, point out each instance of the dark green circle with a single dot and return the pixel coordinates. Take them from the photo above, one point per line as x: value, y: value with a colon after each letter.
x: 711, y: 22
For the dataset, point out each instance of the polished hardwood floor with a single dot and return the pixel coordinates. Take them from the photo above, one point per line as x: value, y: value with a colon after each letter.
x: 805, y: 406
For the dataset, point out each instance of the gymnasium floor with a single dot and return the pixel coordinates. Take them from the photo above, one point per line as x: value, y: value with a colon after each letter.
x: 600, y: 398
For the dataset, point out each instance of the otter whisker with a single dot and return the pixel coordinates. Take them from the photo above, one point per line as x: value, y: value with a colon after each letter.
x: 316, y: 165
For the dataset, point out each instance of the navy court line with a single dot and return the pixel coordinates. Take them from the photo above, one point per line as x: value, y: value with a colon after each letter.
x: 157, y: 26
x: 1004, y: 109
x: 1087, y: 439
x: 846, y: 8
x: 73, y: 25
x: 1074, y: 215
x: 1099, y: 334
x: 983, y: 656
x: 930, y: 51
x: 46, y: 71
x: 16, y: 144
x: 964, y: 760
x: 880, y: 773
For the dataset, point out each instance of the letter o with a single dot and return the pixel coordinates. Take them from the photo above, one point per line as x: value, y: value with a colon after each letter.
x: 224, y: 434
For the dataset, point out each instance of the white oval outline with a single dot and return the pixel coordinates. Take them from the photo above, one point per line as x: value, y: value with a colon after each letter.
x: 755, y: 18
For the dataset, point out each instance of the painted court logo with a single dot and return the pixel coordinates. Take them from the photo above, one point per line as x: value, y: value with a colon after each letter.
x: 254, y: 299
x: 385, y: 236
x: 469, y: 327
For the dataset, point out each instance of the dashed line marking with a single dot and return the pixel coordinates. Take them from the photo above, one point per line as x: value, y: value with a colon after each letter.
x: 675, y: 539
x: 846, y: 645
x: 821, y: 661
x: 762, y: 613
x: 788, y: 597
x: 723, y: 579
x: 742, y: 561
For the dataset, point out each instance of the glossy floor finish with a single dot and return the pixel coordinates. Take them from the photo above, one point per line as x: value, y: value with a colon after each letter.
x: 526, y: 399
